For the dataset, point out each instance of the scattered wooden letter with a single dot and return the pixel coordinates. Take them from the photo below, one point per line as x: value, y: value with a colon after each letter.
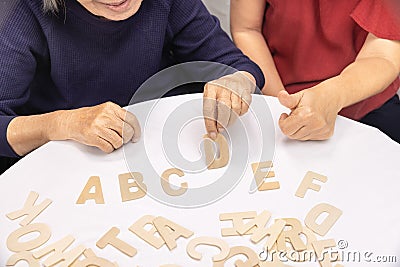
x: 93, y: 182
x: 276, y: 263
x: 307, y: 183
x: 273, y: 232
x: 170, y: 231
x: 13, y: 243
x: 30, y: 210
x: 23, y: 256
x: 260, y: 176
x: 110, y: 238
x: 149, y: 236
x: 274, y: 258
x: 306, y: 255
x: 125, y: 186
x: 60, y: 255
x: 210, y: 241
x: 237, y: 219
x: 259, y: 224
x: 252, y: 257
x: 292, y: 235
x: 319, y: 247
x: 92, y: 260
x: 167, y: 186
x: 322, y: 228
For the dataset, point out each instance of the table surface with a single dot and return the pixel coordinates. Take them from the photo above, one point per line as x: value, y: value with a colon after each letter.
x: 359, y: 161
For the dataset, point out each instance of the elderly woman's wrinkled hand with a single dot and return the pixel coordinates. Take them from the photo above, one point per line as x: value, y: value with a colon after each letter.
x: 225, y: 99
x: 106, y: 126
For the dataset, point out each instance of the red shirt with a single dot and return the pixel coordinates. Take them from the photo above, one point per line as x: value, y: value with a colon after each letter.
x: 313, y: 40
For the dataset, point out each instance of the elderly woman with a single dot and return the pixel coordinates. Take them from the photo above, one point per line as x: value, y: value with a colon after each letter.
x: 325, y: 57
x: 67, y: 67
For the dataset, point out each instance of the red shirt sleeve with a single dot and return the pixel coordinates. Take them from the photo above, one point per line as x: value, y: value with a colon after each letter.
x: 379, y: 17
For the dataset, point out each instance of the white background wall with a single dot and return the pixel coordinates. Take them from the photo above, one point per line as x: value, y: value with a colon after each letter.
x: 219, y: 8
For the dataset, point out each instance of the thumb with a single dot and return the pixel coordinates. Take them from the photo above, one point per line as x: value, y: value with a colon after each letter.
x: 289, y: 101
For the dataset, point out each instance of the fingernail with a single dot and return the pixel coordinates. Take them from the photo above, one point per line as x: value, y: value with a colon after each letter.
x: 221, y: 130
x: 213, y: 135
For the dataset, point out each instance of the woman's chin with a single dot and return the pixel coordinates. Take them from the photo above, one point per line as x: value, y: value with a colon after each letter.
x: 111, y: 9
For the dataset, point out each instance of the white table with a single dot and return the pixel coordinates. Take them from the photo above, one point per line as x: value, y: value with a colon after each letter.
x: 360, y: 162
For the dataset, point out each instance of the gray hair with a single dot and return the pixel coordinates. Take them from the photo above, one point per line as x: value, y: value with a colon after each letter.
x: 52, y: 6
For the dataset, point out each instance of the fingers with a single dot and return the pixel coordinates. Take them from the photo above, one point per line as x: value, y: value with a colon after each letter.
x: 131, y: 126
x: 103, y: 145
x: 106, y: 126
x: 236, y: 102
x: 128, y: 134
x: 290, y: 124
x: 303, y: 127
x: 320, y: 135
x: 246, y: 101
x: 289, y: 101
x: 210, y: 111
x: 223, y: 109
x: 224, y: 100
x: 111, y: 137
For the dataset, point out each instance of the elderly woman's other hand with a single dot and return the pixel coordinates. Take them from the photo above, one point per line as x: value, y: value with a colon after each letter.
x: 225, y: 99
x: 313, y: 114
x: 106, y: 126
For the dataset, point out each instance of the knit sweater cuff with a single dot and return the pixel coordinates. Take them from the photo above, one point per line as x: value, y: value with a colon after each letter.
x: 5, y: 148
x: 254, y: 70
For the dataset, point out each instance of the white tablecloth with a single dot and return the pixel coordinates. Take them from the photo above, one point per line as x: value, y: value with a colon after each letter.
x: 360, y: 162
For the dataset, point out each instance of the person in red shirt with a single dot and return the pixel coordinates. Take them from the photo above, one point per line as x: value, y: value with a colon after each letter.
x: 322, y: 58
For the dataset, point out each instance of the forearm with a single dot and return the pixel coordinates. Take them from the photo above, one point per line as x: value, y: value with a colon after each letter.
x: 26, y: 133
x: 362, y: 79
x: 253, y: 44
x: 106, y: 126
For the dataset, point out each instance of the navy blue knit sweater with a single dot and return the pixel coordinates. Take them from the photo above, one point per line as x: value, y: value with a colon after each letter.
x: 76, y: 59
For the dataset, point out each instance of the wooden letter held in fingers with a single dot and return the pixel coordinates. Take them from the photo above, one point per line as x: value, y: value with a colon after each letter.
x: 149, y: 236
x: 30, y: 210
x: 13, y: 243
x: 292, y: 235
x: 110, y: 238
x: 59, y: 252
x: 125, y: 186
x: 210, y: 241
x: 252, y: 257
x: 170, y: 231
x: 23, y: 256
x: 223, y: 158
x: 237, y: 219
x: 322, y: 228
x: 93, y: 182
x: 307, y: 183
x: 260, y: 176
x: 167, y: 186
